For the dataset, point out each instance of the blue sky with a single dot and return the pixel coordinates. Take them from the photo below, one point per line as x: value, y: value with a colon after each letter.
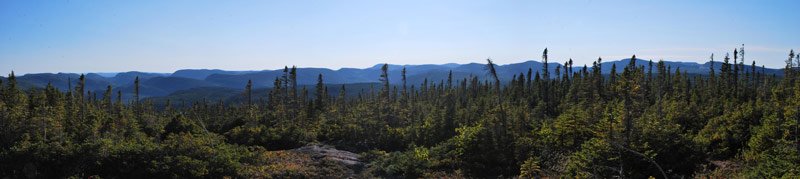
x: 164, y: 36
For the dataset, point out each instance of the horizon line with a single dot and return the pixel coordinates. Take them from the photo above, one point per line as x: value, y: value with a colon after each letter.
x: 340, y: 68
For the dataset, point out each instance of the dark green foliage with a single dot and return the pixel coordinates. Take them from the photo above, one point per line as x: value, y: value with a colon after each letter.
x: 645, y: 120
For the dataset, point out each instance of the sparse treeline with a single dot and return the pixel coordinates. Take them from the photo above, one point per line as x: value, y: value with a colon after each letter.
x: 641, y: 120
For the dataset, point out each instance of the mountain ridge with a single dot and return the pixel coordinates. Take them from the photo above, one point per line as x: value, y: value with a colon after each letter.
x: 163, y: 84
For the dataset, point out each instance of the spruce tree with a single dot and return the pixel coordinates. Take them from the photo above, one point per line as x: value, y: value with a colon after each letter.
x: 403, y: 76
x: 248, y: 92
x: 385, y: 98
x: 450, y: 79
x: 107, y: 99
x: 136, y: 90
x: 528, y: 80
x: 321, y: 93
x: 545, y: 71
x: 293, y: 83
x: 81, y: 87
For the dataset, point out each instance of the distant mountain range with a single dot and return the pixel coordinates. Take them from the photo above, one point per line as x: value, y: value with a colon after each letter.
x: 204, y: 81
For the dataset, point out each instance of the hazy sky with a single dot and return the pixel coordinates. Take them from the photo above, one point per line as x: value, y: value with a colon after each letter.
x: 163, y: 36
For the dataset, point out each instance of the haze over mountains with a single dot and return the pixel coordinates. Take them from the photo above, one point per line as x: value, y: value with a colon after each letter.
x: 221, y: 82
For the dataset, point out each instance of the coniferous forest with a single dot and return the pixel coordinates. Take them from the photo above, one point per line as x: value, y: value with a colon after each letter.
x: 641, y: 120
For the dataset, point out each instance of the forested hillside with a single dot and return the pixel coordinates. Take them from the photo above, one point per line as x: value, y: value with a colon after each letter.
x: 641, y: 119
x: 185, y: 81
